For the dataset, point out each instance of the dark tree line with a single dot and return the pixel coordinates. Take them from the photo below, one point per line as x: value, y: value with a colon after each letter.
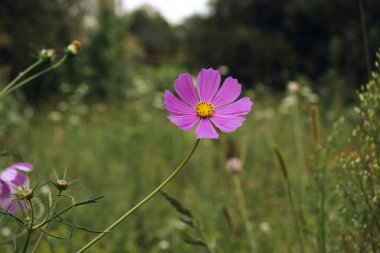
x: 275, y: 41
x: 264, y: 41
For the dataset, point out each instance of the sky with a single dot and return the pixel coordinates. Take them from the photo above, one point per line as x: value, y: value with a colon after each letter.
x: 173, y: 10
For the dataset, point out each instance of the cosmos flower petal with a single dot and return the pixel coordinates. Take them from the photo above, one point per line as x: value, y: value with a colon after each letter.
x: 208, y: 81
x: 185, y: 122
x: 205, y: 130
x: 185, y: 89
x: 4, y: 190
x: 6, y: 198
x: 240, y: 107
x: 13, y: 177
x: 8, y: 205
x: 176, y: 106
x: 228, y: 93
x: 22, y: 166
x: 227, y: 124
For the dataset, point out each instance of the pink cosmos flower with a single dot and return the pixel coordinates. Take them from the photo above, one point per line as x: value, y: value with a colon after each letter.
x: 11, y: 182
x: 211, y: 107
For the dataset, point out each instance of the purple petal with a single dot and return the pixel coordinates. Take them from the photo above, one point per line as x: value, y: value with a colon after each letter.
x: 5, y: 190
x: 206, y: 130
x: 229, y: 91
x: 185, y: 122
x: 8, y: 205
x: 13, y: 177
x: 185, y: 89
x: 22, y: 166
x: 176, y: 106
x: 227, y: 124
x: 208, y: 81
x: 6, y: 198
x: 240, y: 107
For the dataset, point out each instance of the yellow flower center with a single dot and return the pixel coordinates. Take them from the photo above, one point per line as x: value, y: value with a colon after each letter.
x: 204, y: 110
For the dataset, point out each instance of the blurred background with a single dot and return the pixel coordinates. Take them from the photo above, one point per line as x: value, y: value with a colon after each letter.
x: 100, y: 116
x: 329, y: 43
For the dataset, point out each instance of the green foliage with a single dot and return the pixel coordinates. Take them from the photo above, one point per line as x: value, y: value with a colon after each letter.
x: 106, y: 61
x: 359, y: 168
x: 154, y: 34
x: 28, y: 26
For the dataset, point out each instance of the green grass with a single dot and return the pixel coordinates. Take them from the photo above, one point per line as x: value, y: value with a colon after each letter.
x: 123, y: 152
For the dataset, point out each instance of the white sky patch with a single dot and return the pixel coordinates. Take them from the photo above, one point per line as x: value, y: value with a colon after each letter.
x: 173, y: 10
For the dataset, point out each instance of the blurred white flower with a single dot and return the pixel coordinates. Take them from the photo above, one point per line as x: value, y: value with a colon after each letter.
x: 5, y: 231
x: 293, y: 86
x: 306, y: 91
x: 164, y: 245
x: 55, y: 116
x: 265, y: 227
x: 287, y: 103
x: 141, y: 86
x: 233, y: 165
x: 157, y: 100
x: 74, y: 120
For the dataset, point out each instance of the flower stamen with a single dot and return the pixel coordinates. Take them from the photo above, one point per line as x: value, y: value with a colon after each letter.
x: 204, y: 110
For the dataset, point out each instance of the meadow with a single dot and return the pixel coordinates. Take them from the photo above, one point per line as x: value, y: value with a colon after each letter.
x: 294, y: 192
x: 82, y: 101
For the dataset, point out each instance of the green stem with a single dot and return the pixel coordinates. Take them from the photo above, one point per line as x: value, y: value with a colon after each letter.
x: 30, y: 228
x: 297, y: 129
x: 142, y: 202
x: 19, y: 76
x: 52, y: 67
x: 47, y: 225
x: 243, y: 211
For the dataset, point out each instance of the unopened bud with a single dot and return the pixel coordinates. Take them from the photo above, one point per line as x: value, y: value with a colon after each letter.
x: 25, y: 194
x: 47, y: 54
x: 61, y: 184
x: 73, y: 48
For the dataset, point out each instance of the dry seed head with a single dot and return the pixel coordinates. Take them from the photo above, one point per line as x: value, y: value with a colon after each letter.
x: 62, y: 184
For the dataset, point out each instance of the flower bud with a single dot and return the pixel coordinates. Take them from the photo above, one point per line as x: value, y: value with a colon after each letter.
x: 25, y: 194
x: 73, y: 48
x: 61, y: 184
x: 47, y: 54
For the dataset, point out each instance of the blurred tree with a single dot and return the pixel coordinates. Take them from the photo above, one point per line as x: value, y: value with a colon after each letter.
x: 28, y: 26
x: 274, y: 41
x: 107, y: 58
x: 157, y: 37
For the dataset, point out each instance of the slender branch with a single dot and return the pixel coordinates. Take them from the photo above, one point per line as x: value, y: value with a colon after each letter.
x: 142, y: 202
x: 89, y: 201
x: 30, y: 228
x: 19, y: 76
x: 27, y: 80
x: 243, y: 211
